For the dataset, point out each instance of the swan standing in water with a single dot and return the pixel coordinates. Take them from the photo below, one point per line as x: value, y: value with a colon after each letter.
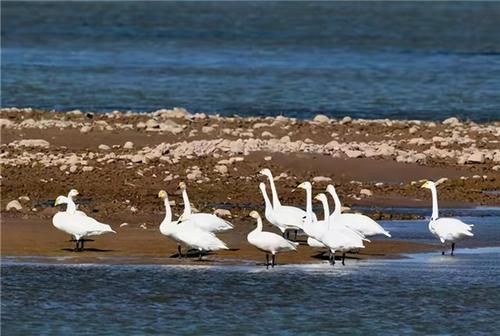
x: 205, y: 221
x: 446, y: 229
x: 269, y: 242
x: 366, y: 226
x: 336, y: 237
x: 287, y: 217
x: 76, y: 223
x: 187, y: 232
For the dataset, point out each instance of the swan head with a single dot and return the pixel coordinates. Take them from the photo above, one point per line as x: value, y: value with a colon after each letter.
x: 321, y: 197
x: 182, y: 186
x: 254, y: 214
x: 73, y: 193
x: 266, y: 172
x: 162, y: 194
x: 331, y: 189
x: 305, y: 185
x: 60, y: 200
x: 428, y: 185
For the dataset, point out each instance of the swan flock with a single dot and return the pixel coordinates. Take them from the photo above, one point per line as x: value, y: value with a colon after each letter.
x: 336, y: 232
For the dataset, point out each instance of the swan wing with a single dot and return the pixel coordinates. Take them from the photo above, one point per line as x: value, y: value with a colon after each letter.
x: 268, y: 241
x: 451, y: 229
x: 210, y: 222
x: 361, y: 223
x: 191, y: 235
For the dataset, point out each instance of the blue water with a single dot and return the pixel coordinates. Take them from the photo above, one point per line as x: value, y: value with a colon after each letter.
x: 371, y: 60
x: 422, y: 294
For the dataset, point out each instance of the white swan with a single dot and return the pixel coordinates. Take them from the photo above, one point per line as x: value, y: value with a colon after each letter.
x: 446, y: 229
x: 76, y: 223
x: 357, y: 222
x: 187, y: 232
x: 336, y: 237
x: 288, y: 217
x: 268, y: 242
x: 205, y: 221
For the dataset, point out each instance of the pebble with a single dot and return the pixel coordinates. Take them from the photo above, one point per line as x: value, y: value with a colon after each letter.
x: 14, y: 205
x: 88, y: 168
x: 104, y: 147
x: 73, y: 169
x: 366, y: 192
x: 321, y: 118
x: 85, y: 129
x: 207, y: 129
x: 123, y: 224
x: 128, y: 145
x: 32, y: 143
x: 23, y: 199
x: 268, y: 158
x: 320, y: 179
x: 476, y: 158
x: 221, y: 169
x: 222, y: 213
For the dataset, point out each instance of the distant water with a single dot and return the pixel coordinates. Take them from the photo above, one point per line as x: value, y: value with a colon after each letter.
x: 423, y: 295
x: 371, y: 60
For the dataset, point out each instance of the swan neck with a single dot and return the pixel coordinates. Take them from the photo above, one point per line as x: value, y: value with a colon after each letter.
x: 435, y: 211
x: 259, y: 224
x: 70, y: 206
x: 336, y: 200
x: 187, y: 204
x: 326, y: 209
x: 276, y: 201
x: 267, y: 202
x: 168, y: 211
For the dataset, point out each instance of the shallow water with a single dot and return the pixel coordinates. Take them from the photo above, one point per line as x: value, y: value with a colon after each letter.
x: 424, y: 294
x: 370, y: 60
x: 430, y: 294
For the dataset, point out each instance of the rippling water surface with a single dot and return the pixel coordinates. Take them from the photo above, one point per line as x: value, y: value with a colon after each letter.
x: 423, y: 294
x: 366, y: 59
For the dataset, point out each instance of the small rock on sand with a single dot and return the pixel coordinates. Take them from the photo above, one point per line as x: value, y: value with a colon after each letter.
x: 14, y: 205
x: 221, y: 169
x: 476, y: 158
x: 320, y: 179
x: 128, y: 145
x: 222, y: 213
x: 88, y: 168
x: 366, y: 192
x: 23, y: 198
x: 34, y: 143
x: 321, y: 118
x: 104, y: 147
x: 85, y: 129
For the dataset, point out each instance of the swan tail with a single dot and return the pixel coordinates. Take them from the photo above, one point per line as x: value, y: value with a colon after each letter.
x: 387, y: 234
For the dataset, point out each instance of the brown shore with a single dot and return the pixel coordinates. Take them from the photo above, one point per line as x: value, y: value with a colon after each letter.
x: 219, y: 159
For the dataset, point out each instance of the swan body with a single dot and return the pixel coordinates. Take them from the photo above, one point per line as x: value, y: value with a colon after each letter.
x: 446, y: 229
x: 76, y: 223
x: 268, y: 242
x: 282, y: 216
x: 334, y: 237
x: 187, y: 232
x: 366, y: 226
x: 205, y: 221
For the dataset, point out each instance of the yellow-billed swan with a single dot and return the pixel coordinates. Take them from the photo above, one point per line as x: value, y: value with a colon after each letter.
x: 268, y: 242
x: 446, y: 229
x: 336, y: 237
x: 288, y: 217
x: 187, y: 232
x: 77, y: 224
x: 357, y: 222
x: 205, y: 221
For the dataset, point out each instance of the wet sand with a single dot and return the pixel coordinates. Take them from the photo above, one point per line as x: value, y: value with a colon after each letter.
x: 134, y: 245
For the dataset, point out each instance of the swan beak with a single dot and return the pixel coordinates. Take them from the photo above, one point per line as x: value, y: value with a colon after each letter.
x: 317, y: 197
x: 56, y: 202
x: 425, y: 185
x: 302, y: 185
